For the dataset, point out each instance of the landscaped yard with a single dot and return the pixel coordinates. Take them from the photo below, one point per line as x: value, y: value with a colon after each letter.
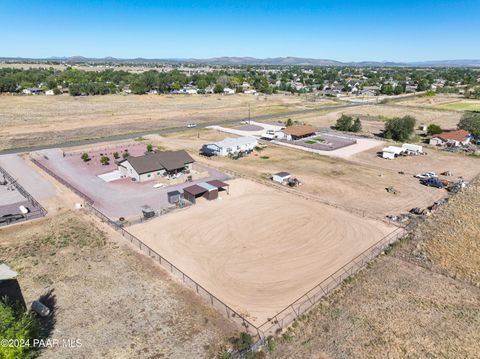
x: 470, y: 105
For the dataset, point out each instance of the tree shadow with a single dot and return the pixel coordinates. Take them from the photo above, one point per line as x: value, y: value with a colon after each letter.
x: 11, y: 289
x: 47, y: 324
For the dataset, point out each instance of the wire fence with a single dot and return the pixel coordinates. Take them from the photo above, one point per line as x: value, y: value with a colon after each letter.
x: 328, y: 285
x: 186, y: 279
x: 285, y: 317
x: 36, y: 210
x: 86, y: 198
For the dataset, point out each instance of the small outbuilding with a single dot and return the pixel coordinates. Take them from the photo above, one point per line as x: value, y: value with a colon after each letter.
x: 281, y: 177
x: 173, y: 197
x: 148, y: 212
x: 391, y: 152
x: 208, y: 190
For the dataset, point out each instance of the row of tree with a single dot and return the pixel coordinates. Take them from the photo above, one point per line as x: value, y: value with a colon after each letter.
x: 266, y: 79
x: 403, y: 128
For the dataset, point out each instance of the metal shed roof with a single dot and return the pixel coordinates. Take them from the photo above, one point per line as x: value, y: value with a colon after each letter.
x: 207, y: 186
x: 218, y: 184
x: 282, y: 174
x: 194, y: 190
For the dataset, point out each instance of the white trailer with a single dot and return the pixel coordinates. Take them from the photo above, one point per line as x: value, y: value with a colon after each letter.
x: 412, y: 148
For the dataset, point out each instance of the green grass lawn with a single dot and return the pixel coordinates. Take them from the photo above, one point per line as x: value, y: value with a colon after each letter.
x: 460, y: 106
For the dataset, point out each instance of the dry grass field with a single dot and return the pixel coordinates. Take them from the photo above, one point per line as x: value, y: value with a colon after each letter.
x: 373, y: 116
x: 358, y: 184
x: 422, y: 301
x: 449, y: 241
x: 392, y: 310
x: 33, y: 120
x: 115, y: 300
x: 443, y: 102
x: 259, y: 249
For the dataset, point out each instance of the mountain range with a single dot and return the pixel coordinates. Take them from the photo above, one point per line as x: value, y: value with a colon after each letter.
x: 274, y: 61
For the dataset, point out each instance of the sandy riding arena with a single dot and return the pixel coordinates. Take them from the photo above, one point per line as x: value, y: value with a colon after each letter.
x: 259, y: 249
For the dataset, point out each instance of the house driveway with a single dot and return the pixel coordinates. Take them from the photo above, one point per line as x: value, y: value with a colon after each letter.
x: 264, y: 127
x: 121, y: 198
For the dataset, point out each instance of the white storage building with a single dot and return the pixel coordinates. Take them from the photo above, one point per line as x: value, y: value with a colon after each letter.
x: 391, y: 151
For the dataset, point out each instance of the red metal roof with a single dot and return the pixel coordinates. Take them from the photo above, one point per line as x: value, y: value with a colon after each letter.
x: 459, y: 135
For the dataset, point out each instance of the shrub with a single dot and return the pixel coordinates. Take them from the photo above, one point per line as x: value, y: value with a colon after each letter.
x: 85, y: 157
x: 116, y: 155
x: 289, y: 122
x: 17, y: 324
x: 242, y: 342
x: 434, y: 129
x: 346, y: 123
x: 104, y: 160
x: 399, y: 128
x: 149, y: 147
x: 125, y: 154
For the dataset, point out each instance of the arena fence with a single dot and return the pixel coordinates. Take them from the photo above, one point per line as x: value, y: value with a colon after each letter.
x: 326, y: 286
x: 36, y: 209
x: 285, y: 317
x: 186, y: 279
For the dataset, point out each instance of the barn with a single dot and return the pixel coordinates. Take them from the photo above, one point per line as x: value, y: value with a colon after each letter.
x: 208, y: 190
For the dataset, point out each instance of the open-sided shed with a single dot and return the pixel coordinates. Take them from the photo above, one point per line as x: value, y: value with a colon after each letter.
x: 208, y: 190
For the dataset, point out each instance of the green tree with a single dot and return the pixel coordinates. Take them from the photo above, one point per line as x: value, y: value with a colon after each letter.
x: 17, y: 324
x: 202, y: 84
x: 434, y: 129
x: 56, y: 91
x: 116, y: 155
x: 289, y: 122
x: 218, y: 88
x: 125, y: 154
x: 357, y: 125
x: 344, y: 123
x: 85, y: 157
x: 470, y: 122
x: 400, y: 128
x: 104, y: 160
x: 149, y: 147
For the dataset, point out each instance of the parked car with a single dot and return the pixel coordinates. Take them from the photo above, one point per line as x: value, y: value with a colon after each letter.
x: 426, y: 175
x: 191, y: 125
x: 433, y: 182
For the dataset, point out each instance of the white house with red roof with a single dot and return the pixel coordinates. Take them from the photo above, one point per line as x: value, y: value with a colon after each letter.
x: 452, y: 138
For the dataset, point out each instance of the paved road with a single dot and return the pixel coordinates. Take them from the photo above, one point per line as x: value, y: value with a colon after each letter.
x: 164, y: 130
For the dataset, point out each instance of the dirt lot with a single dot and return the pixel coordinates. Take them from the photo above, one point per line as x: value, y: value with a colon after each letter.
x: 115, y: 300
x: 358, y: 184
x: 301, y: 240
x: 34, y: 120
x: 422, y: 301
x: 373, y: 116
x: 393, y: 310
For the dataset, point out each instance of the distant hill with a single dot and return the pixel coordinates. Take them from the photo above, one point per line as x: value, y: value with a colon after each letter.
x: 232, y: 61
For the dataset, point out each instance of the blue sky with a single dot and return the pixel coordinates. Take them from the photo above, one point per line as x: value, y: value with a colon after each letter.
x: 407, y: 30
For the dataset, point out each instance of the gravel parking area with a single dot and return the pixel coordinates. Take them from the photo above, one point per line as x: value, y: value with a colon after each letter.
x: 121, y: 198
